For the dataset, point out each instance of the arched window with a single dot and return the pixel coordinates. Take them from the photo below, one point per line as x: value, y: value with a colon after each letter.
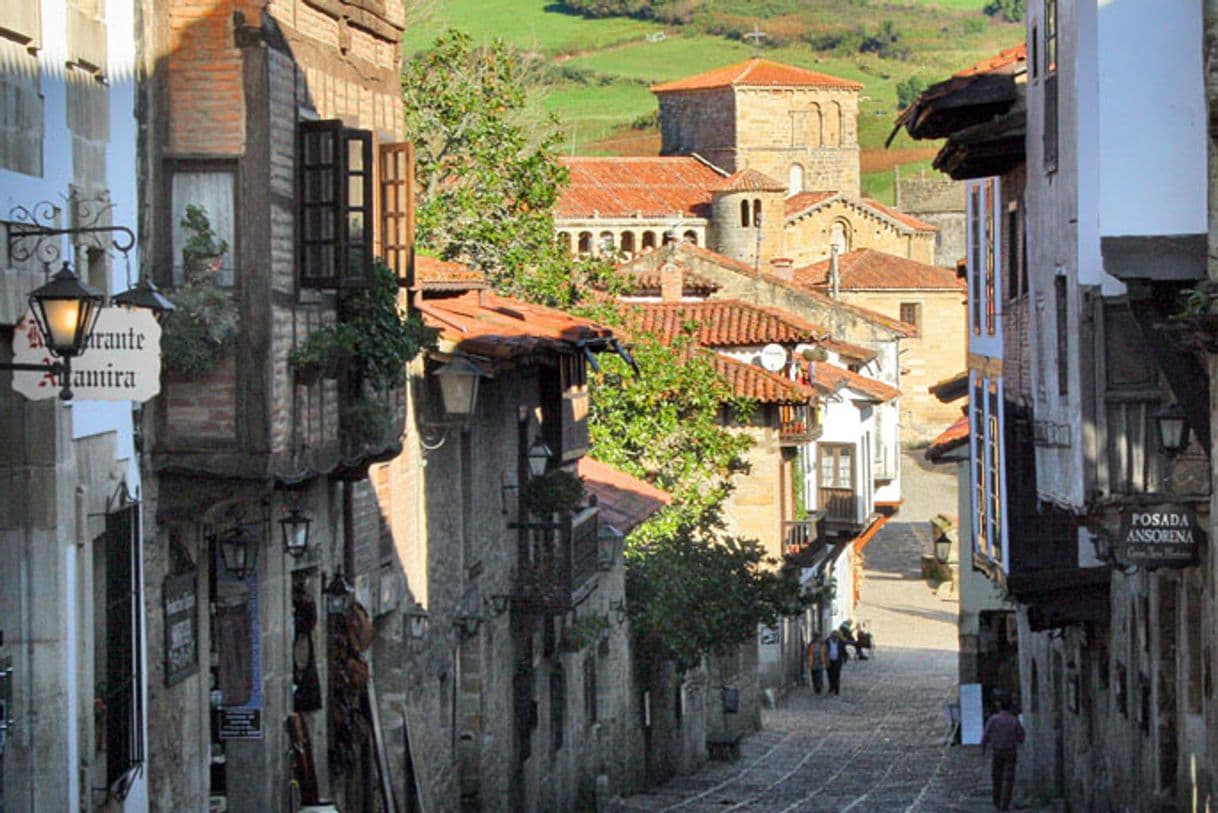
x: 833, y: 125
x: 757, y: 213
x: 795, y: 180
x: 669, y: 236
x: 627, y: 243
x: 839, y: 236
x: 690, y: 237
x: 585, y: 242
x: 649, y: 240
x: 744, y: 213
x: 604, y: 243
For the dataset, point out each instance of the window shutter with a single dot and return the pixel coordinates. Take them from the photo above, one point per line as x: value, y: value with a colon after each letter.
x: 359, y: 212
x: 397, y: 209
x: 320, y: 203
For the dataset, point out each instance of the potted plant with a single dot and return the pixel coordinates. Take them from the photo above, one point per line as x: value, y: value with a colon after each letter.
x: 556, y: 492
x: 367, y: 421
x: 202, y: 250
x: 326, y: 352
x: 199, y: 332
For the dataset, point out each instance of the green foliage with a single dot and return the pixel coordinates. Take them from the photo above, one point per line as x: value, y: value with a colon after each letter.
x: 1010, y: 10
x: 587, y: 629
x: 199, y: 331
x: 201, y: 242
x: 974, y: 25
x: 367, y: 421
x: 908, y: 91
x: 1196, y: 301
x: 676, y: 12
x: 323, y: 346
x: 383, y: 335
x: 558, y: 491
x: 694, y: 593
x: 488, y: 180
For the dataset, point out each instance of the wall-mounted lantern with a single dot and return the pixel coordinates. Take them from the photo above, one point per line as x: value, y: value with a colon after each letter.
x: 619, y: 607
x: 145, y: 294
x: 338, y: 595
x: 1173, y: 427
x: 467, y: 625
x: 943, y: 548
x: 417, y: 621
x: 238, y: 551
x: 539, y: 457
x: 295, y: 528
x: 458, y: 389
x: 499, y: 603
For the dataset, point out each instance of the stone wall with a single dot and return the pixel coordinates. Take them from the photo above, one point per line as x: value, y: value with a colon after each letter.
x: 809, y: 237
x: 733, y: 238
x: 939, y: 201
x: 702, y: 122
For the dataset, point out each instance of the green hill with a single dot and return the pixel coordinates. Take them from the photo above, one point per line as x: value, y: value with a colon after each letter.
x: 598, y: 70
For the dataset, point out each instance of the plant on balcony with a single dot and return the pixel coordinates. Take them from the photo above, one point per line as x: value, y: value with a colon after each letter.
x: 326, y: 352
x: 199, y: 332
x: 556, y: 492
x: 586, y: 630
x: 202, y: 250
x: 383, y: 336
x: 368, y: 421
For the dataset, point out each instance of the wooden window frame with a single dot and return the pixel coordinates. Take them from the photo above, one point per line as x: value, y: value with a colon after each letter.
x: 1050, y: 134
x: 989, y: 278
x: 974, y: 225
x: 346, y: 266
x: 914, y: 309
x: 1061, y: 309
x: 123, y: 678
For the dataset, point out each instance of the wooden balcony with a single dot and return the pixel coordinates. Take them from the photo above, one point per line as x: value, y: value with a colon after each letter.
x: 799, y: 535
x: 841, y: 507
x: 563, y: 564
x: 797, y: 424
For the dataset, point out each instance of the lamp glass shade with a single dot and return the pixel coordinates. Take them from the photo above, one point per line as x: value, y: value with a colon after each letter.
x: 943, y: 549
x: 66, y: 310
x: 338, y: 594
x: 458, y: 388
x: 1173, y: 431
x: 238, y: 550
x: 145, y: 294
x: 539, y: 457
x: 295, y: 527
x: 416, y: 621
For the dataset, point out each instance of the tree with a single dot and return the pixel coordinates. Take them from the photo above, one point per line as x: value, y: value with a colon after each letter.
x: 1010, y: 10
x: 908, y: 91
x: 488, y: 178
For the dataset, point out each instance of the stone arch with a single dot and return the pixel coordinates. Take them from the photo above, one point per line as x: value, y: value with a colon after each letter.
x: 690, y: 237
x: 816, y: 130
x: 605, y: 243
x: 833, y: 125
x: 649, y: 240
x: 744, y: 214
x: 795, y: 179
x: 585, y: 242
x: 757, y: 213
x: 626, y: 243
x: 841, y: 235
x: 669, y: 237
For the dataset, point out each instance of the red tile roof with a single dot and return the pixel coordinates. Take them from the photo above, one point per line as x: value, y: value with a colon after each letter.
x: 750, y: 180
x: 434, y: 274
x: 951, y: 438
x: 867, y: 269
x: 723, y: 323
x: 486, y: 324
x: 802, y: 202
x: 647, y: 186
x: 896, y: 214
x: 832, y: 378
x: 749, y: 381
x: 645, y: 281
x: 625, y: 501
x: 756, y: 72
x: 849, y: 351
x: 1003, y: 59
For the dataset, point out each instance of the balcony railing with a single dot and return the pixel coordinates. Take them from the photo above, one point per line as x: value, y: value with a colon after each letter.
x: 799, y: 534
x: 797, y: 424
x: 563, y: 563
x: 840, y: 505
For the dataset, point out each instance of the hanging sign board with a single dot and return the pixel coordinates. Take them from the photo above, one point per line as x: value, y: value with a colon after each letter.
x: 1154, y: 536
x: 122, y: 361
x: 181, y: 627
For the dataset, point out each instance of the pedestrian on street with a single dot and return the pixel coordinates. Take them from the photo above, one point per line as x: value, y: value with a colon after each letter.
x: 816, y: 658
x: 836, y: 656
x: 1003, y: 733
x: 850, y: 640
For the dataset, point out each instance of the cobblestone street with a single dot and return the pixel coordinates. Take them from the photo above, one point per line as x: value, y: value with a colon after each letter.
x: 878, y: 747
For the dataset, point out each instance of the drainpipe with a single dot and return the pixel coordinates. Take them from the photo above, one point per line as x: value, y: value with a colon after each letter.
x: 834, y: 277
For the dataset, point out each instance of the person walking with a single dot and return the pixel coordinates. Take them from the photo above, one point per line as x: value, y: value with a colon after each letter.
x: 816, y: 658
x: 835, y: 657
x: 1003, y: 733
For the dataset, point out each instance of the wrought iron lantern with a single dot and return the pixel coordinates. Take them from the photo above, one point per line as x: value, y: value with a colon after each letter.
x: 238, y: 551
x: 458, y: 388
x: 417, y: 620
x: 539, y: 457
x: 337, y: 595
x: 1173, y: 427
x: 943, y: 548
x: 145, y: 294
x: 295, y: 526
x: 467, y: 625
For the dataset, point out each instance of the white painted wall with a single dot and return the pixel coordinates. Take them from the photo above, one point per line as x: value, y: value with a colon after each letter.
x: 1152, y: 115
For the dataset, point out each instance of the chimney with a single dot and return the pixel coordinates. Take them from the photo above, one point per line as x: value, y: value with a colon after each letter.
x: 834, y: 277
x: 783, y: 268
x: 672, y: 283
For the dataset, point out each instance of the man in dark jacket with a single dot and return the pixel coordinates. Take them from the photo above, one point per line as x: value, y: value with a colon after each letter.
x: 836, y: 656
x: 1003, y: 733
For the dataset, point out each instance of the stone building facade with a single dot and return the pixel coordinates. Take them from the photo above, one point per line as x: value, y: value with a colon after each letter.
x: 938, y: 200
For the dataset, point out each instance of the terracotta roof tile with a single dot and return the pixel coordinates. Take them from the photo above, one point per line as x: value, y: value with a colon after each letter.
x: 1003, y: 59
x: 867, y: 269
x: 849, y: 351
x: 951, y: 438
x: 750, y: 180
x: 625, y: 501
x: 749, y: 381
x: 645, y: 280
x: 724, y: 323
x: 832, y: 378
x: 647, y: 186
x: 896, y: 214
x: 802, y: 202
x: 756, y: 72
x: 486, y: 324
x: 434, y: 274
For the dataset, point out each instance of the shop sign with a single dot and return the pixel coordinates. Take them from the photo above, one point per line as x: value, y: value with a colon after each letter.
x: 122, y: 361
x: 1158, y: 536
x: 181, y: 626
x: 236, y: 626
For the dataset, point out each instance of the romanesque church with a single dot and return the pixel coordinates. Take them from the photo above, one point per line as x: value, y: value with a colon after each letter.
x: 759, y: 162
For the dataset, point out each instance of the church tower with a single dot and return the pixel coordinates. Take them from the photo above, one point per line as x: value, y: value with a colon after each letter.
x: 791, y: 124
x: 748, y: 214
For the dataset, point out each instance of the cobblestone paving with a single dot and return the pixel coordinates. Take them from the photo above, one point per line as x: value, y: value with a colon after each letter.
x: 877, y: 747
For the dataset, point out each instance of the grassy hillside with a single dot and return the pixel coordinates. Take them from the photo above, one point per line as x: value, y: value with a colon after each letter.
x: 599, y: 70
